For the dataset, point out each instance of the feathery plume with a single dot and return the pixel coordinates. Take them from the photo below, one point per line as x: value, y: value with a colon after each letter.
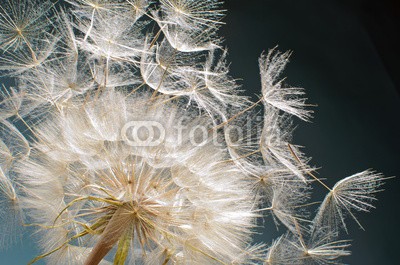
x: 274, y: 94
x: 22, y: 23
x: 354, y: 193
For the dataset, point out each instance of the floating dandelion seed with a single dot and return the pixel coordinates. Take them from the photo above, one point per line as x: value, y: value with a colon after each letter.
x: 354, y: 193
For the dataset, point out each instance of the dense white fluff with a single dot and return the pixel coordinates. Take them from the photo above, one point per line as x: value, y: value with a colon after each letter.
x: 13, y: 147
x: 179, y: 192
x: 10, y: 213
x: 92, y: 80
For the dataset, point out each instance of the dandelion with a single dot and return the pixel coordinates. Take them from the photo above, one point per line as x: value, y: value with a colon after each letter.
x: 126, y: 198
x: 125, y: 141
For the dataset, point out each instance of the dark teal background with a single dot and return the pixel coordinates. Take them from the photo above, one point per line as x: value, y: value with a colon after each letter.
x: 346, y: 56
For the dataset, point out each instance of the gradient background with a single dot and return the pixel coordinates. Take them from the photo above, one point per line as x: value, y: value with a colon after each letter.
x: 346, y: 56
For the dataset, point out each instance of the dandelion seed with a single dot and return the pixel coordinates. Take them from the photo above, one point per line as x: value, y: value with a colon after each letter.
x: 14, y: 145
x: 328, y: 252
x: 91, y: 9
x: 285, y: 203
x: 190, y: 26
x: 275, y: 147
x: 16, y: 63
x: 10, y: 104
x: 22, y: 22
x: 56, y: 82
x: 68, y: 40
x: 138, y: 8
x: 354, y: 193
x: 281, y: 252
x: 113, y: 37
x: 285, y: 99
x: 11, y: 215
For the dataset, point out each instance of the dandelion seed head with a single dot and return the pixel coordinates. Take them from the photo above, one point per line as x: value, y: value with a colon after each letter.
x: 189, y: 199
x: 126, y: 141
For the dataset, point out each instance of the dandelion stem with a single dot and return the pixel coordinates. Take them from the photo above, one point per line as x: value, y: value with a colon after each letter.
x: 91, y: 25
x: 237, y: 115
x: 308, y: 172
x: 111, y: 235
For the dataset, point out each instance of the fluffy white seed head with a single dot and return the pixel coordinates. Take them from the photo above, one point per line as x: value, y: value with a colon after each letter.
x: 125, y: 141
x: 177, y: 197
